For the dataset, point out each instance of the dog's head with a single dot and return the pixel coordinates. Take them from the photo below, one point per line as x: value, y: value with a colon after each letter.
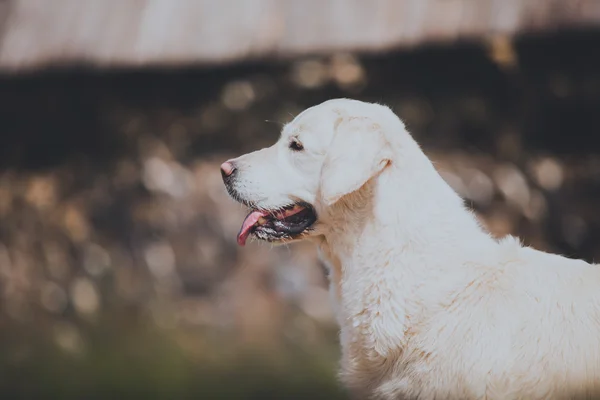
x: 327, y: 152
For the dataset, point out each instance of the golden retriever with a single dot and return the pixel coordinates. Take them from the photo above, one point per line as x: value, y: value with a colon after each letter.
x: 430, y: 305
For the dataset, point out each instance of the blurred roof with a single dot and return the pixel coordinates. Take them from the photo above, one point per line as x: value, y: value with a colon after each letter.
x: 35, y: 34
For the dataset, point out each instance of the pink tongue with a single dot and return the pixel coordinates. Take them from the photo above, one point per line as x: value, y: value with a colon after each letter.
x: 248, y: 223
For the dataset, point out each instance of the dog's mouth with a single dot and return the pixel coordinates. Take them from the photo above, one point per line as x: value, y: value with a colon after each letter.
x: 286, y: 223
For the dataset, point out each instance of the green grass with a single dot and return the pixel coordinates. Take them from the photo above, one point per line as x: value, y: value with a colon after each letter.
x: 137, y: 361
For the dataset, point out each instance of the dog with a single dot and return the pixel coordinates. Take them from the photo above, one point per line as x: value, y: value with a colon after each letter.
x: 429, y: 304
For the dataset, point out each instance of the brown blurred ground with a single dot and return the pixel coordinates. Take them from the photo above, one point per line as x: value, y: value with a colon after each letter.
x: 119, y: 271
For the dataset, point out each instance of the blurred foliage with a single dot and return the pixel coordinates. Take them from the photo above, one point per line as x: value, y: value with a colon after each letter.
x: 119, y: 270
x: 126, y: 359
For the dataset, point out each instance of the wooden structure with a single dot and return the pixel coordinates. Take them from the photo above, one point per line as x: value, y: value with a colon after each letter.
x: 108, y: 33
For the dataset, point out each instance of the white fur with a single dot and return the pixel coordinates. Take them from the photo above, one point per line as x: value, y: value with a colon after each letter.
x: 429, y: 304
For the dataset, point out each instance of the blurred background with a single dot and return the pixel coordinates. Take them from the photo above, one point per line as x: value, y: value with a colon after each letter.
x: 120, y: 276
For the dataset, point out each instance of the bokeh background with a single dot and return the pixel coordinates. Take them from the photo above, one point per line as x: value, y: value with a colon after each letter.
x: 120, y: 276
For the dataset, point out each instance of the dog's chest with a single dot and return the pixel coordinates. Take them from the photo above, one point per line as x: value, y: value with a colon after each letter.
x: 374, y: 314
x: 370, y: 297
x: 377, y: 306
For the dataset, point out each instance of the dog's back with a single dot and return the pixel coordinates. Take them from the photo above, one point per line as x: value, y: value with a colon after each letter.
x: 527, y: 327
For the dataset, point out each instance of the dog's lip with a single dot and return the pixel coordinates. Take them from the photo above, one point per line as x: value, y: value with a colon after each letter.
x: 257, y: 218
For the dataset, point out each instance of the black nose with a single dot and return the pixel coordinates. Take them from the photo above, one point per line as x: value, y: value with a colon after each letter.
x: 227, y: 170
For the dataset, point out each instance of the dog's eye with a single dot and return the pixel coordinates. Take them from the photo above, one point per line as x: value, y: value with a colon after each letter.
x: 296, y: 145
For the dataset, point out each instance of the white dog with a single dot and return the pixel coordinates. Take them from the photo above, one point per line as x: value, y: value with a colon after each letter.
x: 429, y: 304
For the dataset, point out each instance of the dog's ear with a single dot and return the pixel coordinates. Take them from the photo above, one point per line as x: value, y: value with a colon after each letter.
x: 358, y: 152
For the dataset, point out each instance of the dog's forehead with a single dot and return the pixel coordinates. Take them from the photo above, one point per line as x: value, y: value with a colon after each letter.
x: 311, y: 120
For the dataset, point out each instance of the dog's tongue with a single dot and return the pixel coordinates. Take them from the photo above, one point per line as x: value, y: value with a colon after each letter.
x: 247, y: 225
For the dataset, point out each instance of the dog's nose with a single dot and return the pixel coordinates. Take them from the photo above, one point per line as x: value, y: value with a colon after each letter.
x: 227, y: 168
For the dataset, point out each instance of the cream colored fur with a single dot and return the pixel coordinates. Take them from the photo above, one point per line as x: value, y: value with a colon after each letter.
x: 429, y: 304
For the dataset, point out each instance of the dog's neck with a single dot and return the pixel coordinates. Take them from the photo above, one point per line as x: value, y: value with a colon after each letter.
x: 388, y: 245
x: 405, y: 211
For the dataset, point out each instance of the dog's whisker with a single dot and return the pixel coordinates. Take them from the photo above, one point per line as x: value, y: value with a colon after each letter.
x: 275, y: 122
